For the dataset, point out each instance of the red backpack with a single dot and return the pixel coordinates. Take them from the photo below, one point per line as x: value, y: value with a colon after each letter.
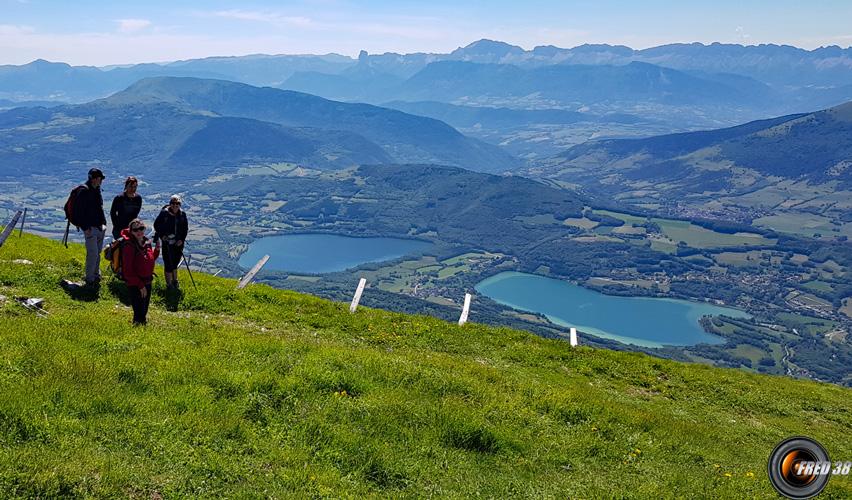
x: 70, y: 202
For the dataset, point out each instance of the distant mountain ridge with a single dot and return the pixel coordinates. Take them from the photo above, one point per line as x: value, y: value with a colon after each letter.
x: 163, y: 141
x: 185, y: 124
x: 44, y: 80
x: 802, y: 146
x: 451, y: 80
x: 405, y: 138
x: 799, y: 163
x: 777, y: 65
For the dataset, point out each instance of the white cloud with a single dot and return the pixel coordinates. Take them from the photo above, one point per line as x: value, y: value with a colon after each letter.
x: 15, y: 30
x: 132, y: 25
x: 274, y: 18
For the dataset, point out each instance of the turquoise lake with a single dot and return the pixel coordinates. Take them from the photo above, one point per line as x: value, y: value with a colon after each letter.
x: 645, y: 321
x: 326, y: 253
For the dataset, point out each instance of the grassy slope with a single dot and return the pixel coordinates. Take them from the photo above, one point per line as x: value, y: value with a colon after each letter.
x: 241, y: 393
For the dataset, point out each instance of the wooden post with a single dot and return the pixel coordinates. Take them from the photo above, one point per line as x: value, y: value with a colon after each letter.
x: 465, y: 309
x: 573, y: 337
x: 23, y: 221
x: 10, y: 227
x: 250, y: 276
x: 357, y: 298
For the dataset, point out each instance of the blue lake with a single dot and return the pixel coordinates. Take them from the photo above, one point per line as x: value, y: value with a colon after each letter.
x: 645, y: 321
x: 326, y: 253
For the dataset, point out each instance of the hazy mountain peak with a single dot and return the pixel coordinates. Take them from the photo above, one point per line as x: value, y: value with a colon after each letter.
x: 841, y: 113
x: 487, y: 51
x: 45, y: 64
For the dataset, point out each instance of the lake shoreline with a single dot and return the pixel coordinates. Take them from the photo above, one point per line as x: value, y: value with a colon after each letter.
x: 658, y: 334
x: 318, y: 253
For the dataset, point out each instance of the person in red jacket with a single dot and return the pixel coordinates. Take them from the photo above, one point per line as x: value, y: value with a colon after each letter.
x: 137, y: 263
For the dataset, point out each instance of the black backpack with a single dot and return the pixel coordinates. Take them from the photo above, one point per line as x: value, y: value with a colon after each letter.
x: 71, y: 202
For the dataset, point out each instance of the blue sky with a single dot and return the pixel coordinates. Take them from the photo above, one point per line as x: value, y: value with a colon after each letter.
x: 114, y: 32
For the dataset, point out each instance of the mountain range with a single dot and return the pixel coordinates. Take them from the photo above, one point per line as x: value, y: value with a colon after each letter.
x: 166, y: 123
x: 786, y: 69
x: 800, y: 162
x: 43, y: 80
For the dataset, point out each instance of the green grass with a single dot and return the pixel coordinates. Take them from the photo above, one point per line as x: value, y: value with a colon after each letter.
x: 452, y: 271
x: 692, y: 235
x: 815, y: 325
x: 739, y: 259
x: 847, y: 307
x: 461, y: 259
x: 581, y: 222
x: 269, y: 393
x: 819, y: 286
x: 749, y: 351
x: 628, y: 219
x: 805, y: 224
x: 699, y: 237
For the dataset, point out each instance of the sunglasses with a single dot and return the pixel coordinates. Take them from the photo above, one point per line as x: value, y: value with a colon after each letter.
x: 174, y: 203
x: 136, y: 229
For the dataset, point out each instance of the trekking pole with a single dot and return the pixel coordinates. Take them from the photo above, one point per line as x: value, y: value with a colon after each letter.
x: 190, y: 272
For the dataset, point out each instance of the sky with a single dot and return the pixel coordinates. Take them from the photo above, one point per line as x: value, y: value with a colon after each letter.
x: 89, y: 32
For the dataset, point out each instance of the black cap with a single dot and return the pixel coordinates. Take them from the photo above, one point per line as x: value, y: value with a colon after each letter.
x: 96, y: 172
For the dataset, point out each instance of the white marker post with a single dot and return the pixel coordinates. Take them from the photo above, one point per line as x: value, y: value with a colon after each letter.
x: 357, y: 298
x: 573, y: 337
x: 250, y: 276
x: 465, y: 309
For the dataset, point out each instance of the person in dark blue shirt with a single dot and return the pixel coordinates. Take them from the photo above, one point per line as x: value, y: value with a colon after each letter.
x: 125, y: 207
x: 172, y: 227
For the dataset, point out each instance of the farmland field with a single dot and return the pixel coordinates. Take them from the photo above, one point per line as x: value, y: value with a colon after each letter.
x: 693, y: 235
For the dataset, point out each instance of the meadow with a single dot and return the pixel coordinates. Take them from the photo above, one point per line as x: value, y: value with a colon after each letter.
x: 271, y: 393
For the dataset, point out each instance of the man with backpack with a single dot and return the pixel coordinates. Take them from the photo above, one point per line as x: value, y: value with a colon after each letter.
x: 137, y: 260
x: 85, y: 210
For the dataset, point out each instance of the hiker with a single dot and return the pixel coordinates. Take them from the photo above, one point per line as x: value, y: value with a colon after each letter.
x: 137, y: 267
x: 172, y: 227
x: 125, y: 207
x: 89, y: 217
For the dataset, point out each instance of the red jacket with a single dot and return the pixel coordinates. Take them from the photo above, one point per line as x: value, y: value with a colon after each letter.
x: 137, y: 263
